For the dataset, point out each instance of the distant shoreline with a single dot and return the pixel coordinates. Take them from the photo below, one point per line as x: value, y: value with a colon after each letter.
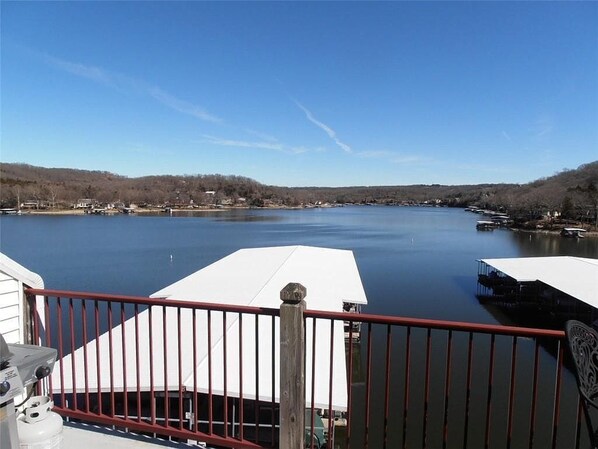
x: 143, y: 211
x: 116, y: 212
x: 160, y: 211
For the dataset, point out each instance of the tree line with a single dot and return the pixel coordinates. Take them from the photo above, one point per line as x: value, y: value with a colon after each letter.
x: 572, y: 192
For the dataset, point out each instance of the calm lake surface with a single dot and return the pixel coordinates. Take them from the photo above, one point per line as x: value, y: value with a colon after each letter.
x: 414, y: 261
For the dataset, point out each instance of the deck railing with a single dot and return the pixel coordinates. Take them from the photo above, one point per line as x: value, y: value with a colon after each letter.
x: 166, y: 368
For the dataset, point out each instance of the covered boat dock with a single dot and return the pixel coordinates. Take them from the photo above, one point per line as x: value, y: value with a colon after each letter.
x: 229, y: 355
x: 559, y: 285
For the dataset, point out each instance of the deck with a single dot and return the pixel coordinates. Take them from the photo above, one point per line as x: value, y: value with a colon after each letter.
x: 92, y: 437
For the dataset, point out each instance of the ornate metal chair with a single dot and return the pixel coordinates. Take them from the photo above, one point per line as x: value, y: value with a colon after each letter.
x: 583, y: 345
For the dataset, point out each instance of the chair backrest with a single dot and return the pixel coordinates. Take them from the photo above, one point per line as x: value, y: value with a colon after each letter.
x: 583, y: 345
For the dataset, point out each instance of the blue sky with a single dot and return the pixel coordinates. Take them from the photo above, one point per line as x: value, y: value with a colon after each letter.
x: 302, y: 94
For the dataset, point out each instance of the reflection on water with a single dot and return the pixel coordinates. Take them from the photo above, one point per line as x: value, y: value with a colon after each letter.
x: 532, y: 244
x: 249, y: 218
x: 238, y: 215
x: 453, y: 406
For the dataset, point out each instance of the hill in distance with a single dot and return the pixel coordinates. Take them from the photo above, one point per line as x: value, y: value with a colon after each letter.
x: 572, y: 192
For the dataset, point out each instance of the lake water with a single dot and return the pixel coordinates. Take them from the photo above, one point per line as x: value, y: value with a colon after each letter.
x: 414, y: 261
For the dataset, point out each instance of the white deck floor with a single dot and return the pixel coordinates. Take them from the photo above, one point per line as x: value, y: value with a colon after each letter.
x: 92, y: 437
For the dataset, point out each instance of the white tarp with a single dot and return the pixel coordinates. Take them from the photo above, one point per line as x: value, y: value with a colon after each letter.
x: 250, y: 277
x: 575, y: 276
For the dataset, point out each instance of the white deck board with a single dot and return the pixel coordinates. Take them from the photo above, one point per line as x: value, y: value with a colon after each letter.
x: 92, y: 437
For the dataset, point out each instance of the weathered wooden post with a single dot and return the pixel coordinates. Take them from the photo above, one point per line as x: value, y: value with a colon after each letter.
x: 292, y: 367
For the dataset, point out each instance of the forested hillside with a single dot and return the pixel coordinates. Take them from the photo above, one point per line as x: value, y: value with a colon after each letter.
x: 572, y: 192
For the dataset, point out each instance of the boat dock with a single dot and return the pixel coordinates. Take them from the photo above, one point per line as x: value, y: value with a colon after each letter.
x: 558, y: 285
x: 238, y: 366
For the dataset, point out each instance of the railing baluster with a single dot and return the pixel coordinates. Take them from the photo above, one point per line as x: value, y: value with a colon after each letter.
x: 447, y: 387
x: 512, y: 391
x: 557, y: 395
x: 349, y: 384
x: 49, y: 337
x: 180, y: 368
x: 151, y: 364
x: 387, y: 385
x: 257, y: 377
x: 240, y: 376
x: 406, y: 387
x: 98, y: 361
x: 468, y: 389
x: 489, y: 393
x: 532, y: 418
x: 137, y: 363
x: 124, y: 356
x: 273, y: 374
x: 60, y: 351
x: 225, y: 377
x: 111, y: 360
x: 72, y: 342
x: 195, y: 397
x: 165, y: 361
x: 313, y: 380
x: 210, y: 395
x: 368, y: 378
x: 330, y: 388
x: 427, y: 387
x: 85, y: 363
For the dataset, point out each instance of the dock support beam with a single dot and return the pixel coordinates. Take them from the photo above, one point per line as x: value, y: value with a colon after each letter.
x: 292, y: 367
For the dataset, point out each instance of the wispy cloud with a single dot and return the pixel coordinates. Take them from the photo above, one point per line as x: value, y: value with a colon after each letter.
x: 543, y: 127
x: 272, y: 144
x: 181, y: 105
x: 302, y: 149
x: 506, y: 136
x: 410, y: 160
x: 142, y: 149
x: 375, y: 154
x: 243, y: 143
x: 394, y: 157
x: 482, y: 167
x: 260, y: 135
x: 85, y: 71
x: 130, y: 85
x: 328, y: 130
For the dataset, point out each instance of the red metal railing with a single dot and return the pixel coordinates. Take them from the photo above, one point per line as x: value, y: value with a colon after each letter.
x: 438, y: 384
x: 165, y: 368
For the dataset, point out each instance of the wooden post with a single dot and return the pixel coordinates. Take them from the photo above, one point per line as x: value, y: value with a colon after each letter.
x: 292, y: 367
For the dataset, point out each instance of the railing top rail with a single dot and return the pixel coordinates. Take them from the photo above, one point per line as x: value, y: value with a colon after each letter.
x: 146, y: 301
x: 341, y: 316
x: 438, y: 324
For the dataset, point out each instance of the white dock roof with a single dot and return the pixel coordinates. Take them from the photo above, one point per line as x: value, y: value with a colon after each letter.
x: 575, y: 276
x: 255, y: 277
x: 252, y: 277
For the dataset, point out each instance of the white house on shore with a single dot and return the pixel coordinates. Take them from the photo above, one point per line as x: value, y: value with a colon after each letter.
x: 14, y: 279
